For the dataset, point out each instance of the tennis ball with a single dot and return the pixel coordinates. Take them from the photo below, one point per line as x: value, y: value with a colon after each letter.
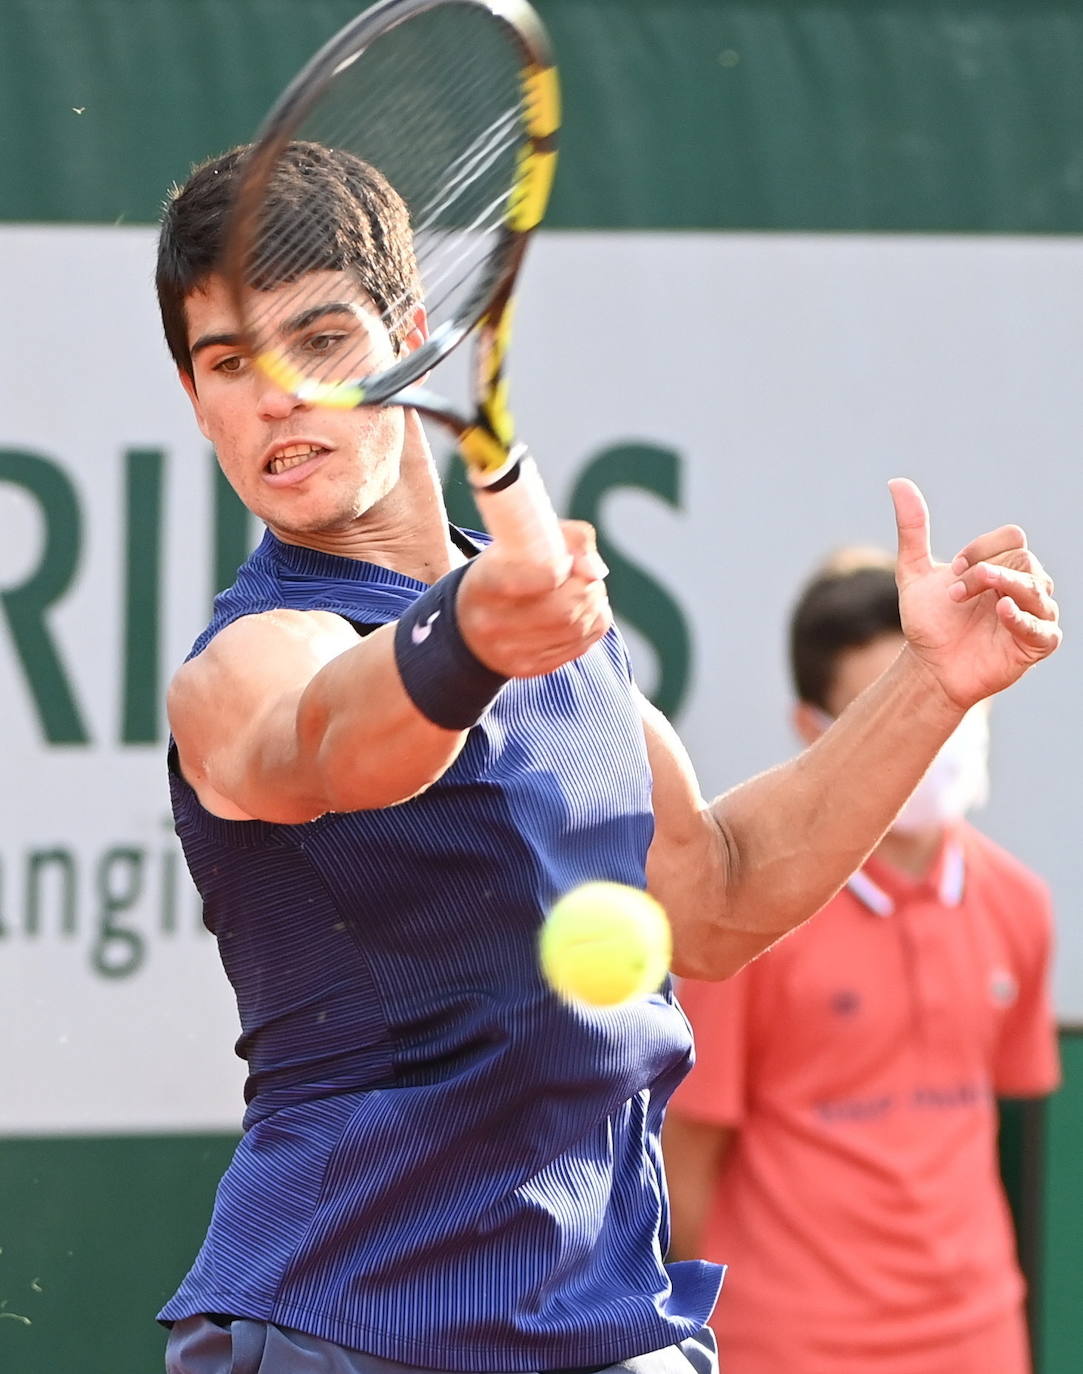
x: 605, y: 944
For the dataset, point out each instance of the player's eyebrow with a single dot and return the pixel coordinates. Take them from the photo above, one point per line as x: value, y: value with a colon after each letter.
x: 296, y: 323
x: 226, y: 340
x: 304, y: 318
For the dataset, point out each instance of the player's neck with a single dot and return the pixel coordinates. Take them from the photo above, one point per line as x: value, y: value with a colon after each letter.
x: 912, y: 852
x: 419, y: 546
x: 409, y: 528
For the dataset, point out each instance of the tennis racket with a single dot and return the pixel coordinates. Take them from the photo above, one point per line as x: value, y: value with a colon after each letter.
x: 456, y: 104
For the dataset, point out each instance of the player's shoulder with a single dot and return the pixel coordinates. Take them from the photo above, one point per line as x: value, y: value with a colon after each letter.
x: 250, y: 656
x: 251, y: 640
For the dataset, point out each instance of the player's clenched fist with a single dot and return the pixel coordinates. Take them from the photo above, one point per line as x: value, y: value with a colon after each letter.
x: 523, y: 618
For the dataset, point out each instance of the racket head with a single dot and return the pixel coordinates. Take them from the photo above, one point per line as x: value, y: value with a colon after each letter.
x: 455, y: 103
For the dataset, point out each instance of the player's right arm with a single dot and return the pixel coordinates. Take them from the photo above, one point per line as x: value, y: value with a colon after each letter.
x: 287, y: 715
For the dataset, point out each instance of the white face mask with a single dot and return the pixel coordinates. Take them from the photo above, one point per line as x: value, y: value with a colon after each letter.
x: 957, y: 781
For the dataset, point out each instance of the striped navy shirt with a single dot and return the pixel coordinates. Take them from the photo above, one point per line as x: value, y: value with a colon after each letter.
x: 442, y: 1163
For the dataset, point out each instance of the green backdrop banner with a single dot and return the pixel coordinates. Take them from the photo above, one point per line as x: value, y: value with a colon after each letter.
x: 786, y: 114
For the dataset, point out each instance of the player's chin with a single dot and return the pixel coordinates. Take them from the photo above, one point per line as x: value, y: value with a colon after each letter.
x: 335, y: 503
x: 308, y: 524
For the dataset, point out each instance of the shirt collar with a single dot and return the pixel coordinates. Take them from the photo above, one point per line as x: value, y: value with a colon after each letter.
x: 881, y: 889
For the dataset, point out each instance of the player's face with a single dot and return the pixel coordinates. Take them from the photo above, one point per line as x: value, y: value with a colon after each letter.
x: 300, y: 468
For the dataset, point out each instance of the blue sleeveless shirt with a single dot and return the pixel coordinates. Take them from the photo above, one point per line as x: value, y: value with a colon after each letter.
x: 442, y: 1163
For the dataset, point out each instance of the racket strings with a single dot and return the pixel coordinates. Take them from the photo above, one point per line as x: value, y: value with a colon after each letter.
x: 446, y: 283
x: 442, y: 252
x: 445, y: 272
x: 501, y: 135
x: 446, y: 266
x: 436, y: 107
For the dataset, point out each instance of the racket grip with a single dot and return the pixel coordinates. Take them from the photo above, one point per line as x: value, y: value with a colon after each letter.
x: 517, y: 510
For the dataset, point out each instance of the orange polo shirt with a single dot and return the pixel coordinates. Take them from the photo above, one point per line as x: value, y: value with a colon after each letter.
x: 860, y: 1207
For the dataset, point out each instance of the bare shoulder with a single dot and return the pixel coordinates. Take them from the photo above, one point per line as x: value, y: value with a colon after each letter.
x: 281, y: 627
x: 217, y: 698
x: 255, y: 653
x: 678, y: 800
x: 660, y: 733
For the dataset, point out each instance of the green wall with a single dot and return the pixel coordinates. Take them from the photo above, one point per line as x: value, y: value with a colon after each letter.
x: 1060, y: 1311
x: 95, y: 1235
x: 784, y: 114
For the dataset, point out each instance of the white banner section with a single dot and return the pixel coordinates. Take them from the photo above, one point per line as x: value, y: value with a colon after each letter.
x: 728, y: 409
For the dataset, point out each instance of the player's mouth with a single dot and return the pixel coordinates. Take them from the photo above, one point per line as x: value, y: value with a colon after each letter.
x: 291, y: 463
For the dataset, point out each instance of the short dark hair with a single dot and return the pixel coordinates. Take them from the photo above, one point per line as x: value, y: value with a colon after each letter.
x: 850, y: 600
x: 347, y: 209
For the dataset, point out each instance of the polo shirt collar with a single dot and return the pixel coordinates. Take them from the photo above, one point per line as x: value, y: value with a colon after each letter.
x: 881, y: 889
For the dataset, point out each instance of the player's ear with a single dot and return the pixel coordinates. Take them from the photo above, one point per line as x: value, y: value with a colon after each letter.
x: 189, y: 383
x: 808, y: 721
x: 419, y: 330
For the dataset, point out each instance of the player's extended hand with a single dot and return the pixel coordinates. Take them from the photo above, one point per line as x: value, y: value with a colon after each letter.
x: 523, y: 618
x: 979, y: 622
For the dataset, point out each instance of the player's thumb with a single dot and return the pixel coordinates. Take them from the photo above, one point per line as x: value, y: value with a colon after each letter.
x: 581, y: 542
x: 912, y: 524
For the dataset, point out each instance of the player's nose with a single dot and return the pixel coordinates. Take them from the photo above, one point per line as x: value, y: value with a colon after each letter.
x: 275, y: 402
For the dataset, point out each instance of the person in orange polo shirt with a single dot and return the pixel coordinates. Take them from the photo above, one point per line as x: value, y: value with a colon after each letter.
x: 836, y: 1142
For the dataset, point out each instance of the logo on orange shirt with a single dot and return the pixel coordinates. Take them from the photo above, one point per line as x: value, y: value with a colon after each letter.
x: 1003, y: 987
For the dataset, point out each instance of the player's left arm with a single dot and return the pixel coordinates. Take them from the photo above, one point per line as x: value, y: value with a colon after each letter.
x: 737, y: 874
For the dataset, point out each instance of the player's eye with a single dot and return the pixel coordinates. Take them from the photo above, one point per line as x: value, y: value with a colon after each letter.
x: 231, y: 365
x: 325, y: 342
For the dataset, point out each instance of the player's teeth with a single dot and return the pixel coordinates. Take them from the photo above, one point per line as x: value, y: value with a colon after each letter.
x: 290, y: 457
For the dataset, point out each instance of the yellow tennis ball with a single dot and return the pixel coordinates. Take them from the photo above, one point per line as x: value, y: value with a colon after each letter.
x: 605, y: 944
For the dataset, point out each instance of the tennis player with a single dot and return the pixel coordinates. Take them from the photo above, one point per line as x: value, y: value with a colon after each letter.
x: 394, y: 747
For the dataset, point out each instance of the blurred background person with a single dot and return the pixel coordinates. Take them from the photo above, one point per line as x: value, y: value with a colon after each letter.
x: 836, y: 1143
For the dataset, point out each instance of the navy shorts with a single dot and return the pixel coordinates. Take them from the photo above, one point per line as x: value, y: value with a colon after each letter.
x: 198, y: 1345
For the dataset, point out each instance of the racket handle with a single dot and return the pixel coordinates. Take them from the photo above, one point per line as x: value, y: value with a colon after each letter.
x: 517, y: 511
